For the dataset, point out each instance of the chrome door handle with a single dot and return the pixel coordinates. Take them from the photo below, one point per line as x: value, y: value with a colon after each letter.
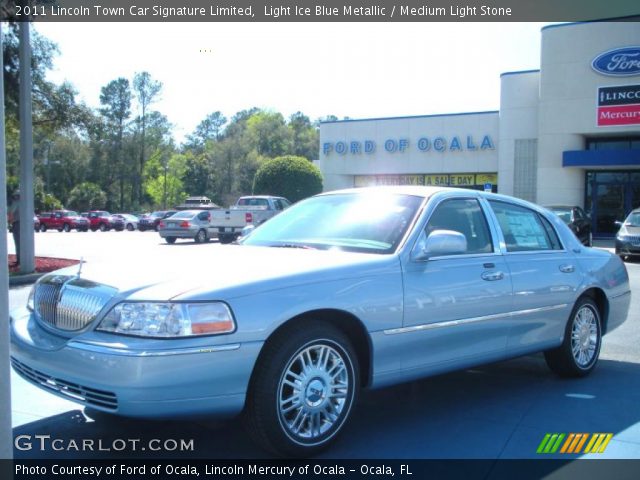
x: 492, y: 276
x: 567, y: 268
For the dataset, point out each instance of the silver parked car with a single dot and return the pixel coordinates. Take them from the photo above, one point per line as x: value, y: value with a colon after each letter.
x: 130, y: 221
x: 353, y: 289
x: 191, y: 224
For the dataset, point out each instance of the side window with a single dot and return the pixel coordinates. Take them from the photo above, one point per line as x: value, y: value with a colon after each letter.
x: 523, y: 229
x: 464, y: 216
x: 203, y: 216
x: 277, y: 204
x: 285, y: 203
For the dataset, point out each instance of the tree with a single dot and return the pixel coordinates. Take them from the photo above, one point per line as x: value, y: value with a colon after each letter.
x: 166, y: 187
x: 291, y: 177
x: 208, y: 129
x: 87, y: 196
x: 147, y: 91
x: 306, y: 139
x: 116, y: 100
x: 267, y: 132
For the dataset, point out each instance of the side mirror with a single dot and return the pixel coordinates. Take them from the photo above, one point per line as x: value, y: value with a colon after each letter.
x: 441, y: 242
x: 618, y: 223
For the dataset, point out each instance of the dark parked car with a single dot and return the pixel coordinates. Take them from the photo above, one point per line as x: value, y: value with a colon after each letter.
x: 577, y: 220
x: 628, y: 237
x: 152, y: 221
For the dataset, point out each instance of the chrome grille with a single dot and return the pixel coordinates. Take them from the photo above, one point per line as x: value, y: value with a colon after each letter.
x: 634, y: 240
x: 69, y: 303
x: 74, y: 391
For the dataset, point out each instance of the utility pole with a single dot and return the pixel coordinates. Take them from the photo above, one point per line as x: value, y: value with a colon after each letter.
x: 6, y: 441
x: 27, y: 241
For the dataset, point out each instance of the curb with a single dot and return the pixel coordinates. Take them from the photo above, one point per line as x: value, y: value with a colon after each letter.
x: 17, y: 280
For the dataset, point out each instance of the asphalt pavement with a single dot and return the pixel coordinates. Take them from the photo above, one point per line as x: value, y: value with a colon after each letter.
x: 498, y: 411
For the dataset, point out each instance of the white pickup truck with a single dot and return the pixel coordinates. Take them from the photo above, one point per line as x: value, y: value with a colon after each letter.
x: 250, y: 210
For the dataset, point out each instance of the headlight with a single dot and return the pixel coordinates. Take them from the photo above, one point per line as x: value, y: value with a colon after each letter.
x: 31, y: 300
x: 167, y: 319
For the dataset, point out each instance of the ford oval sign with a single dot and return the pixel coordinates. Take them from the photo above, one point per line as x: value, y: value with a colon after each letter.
x: 618, y: 62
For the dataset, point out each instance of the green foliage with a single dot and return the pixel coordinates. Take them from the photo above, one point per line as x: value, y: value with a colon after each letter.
x: 114, y: 157
x: 291, y: 177
x: 46, y: 203
x: 166, y: 187
x: 87, y: 196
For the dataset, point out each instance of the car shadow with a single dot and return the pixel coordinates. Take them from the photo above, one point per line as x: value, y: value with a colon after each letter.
x: 499, y: 411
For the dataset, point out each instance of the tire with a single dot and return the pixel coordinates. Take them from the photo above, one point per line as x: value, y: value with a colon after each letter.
x: 103, y: 227
x: 66, y: 227
x: 43, y: 227
x: 590, y: 241
x: 580, y: 349
x: 130, y: 227
x: 170, y: 240
x: 157, y: 228
x: 201, y: 237
x: 310, y: 372
x: 225, y: 238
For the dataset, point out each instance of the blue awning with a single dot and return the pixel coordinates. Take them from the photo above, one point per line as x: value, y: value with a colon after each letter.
x: 601, y: 158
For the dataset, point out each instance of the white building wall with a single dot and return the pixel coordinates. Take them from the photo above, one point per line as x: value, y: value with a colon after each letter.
x: 339, y: 170
x: 519, y: 98
x: 568, y: 101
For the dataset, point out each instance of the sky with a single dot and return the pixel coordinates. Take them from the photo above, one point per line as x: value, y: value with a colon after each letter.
x: 355, y: 70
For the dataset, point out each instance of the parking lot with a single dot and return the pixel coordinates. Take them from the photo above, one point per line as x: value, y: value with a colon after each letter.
x: 493, y: 412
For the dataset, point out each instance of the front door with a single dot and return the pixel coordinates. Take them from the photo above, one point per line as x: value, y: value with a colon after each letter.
x: 454, y: 303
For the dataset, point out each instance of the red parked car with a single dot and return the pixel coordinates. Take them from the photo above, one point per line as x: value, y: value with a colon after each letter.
x: 63, y: 220
x: 103, y: 221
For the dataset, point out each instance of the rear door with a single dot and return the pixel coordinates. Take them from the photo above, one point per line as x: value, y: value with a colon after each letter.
x: 545, y: 276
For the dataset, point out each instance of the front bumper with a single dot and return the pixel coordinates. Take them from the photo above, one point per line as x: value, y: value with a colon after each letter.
x: 627, y: 247
x: 179, y: 380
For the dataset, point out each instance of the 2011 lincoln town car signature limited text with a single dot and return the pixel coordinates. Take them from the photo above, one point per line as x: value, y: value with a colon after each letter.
x: 347, y: 290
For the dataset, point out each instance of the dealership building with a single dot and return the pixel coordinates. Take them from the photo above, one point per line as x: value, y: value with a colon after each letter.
x: 567, y: 134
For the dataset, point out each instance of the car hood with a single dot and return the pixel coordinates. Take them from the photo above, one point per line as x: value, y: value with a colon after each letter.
x: 229, y: 271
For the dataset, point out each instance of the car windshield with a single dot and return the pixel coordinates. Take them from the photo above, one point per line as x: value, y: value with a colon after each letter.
x: 354, y: 222
x: 71, y: 213
x: 563, y: 213
x: 633, y: 220
x: 157, y: 214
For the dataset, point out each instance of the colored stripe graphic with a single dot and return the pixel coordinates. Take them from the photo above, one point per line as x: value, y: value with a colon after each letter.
x: 574, y: 442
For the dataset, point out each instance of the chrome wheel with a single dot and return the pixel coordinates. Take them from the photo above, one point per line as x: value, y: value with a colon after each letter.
x: 312, y: 392
x: 303, y: 389
x: 584, y: 336
x: 580, y: 349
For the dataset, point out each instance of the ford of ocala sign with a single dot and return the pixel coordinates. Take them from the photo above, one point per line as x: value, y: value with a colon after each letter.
x: 619, y: 62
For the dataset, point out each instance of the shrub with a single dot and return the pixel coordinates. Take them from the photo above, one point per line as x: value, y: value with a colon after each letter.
x: 291, y: 177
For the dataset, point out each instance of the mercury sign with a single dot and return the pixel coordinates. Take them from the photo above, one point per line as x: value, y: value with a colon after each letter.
x: 400, y: 145
x: 619, y: 62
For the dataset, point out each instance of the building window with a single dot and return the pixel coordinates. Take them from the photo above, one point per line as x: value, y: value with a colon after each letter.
x: 525, y: 169
x: 618, y: 143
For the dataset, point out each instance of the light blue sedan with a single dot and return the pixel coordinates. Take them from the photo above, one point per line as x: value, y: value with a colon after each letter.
x: 347, y: 290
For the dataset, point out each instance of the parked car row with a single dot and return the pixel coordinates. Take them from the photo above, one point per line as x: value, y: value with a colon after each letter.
x: 203, y: 224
